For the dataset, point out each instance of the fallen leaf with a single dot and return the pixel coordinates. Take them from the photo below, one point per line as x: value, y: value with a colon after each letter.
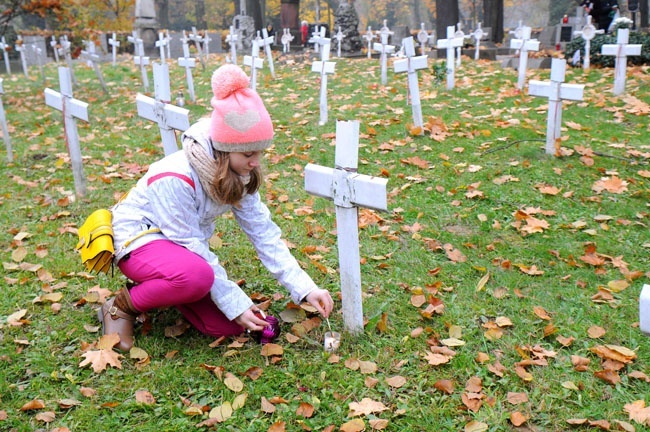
x: 305, y: 410
x: 366, y: 407
x: 396, y: 381
x: 517, y: 418
x: 144, y: 397
x: 355, y: 425
x: 233, y: 383
x: 35, y: 404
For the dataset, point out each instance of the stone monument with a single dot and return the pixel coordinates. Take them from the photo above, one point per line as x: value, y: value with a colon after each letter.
x: 347, y: 20
x: 146, y: 23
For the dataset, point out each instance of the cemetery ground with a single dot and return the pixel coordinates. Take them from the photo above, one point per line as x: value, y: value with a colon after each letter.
x: 500, y: 290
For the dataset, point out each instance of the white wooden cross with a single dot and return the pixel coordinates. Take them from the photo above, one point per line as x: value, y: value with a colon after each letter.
x: 384, y: 49
x: 423, y: 38
x: 198, y: 39
x: 72, y: 110
x: 266, y: 42
x: 139, y: 58
x: 411, y: 64
x: 188, y: 63
x: 319, y: 40
x: 255, y: 63
x: 169, y: 117
x: 206, y: 44
x: 349, y: 190
x: 5, y: 129
x: 369, y: 37
x: 5, y: 51
x: 67, y: 54
x: 556, y: 91
x: 161, y: 43
x: 461, y: 35
x: 588, y: 32
x: 323, y: 67
x: 644, y: 309
x: 451, y: 43
x: 286, y: 39
x: 38, y: 54
x: 524, y: 44
x: 339, y: 36
x: 168, y: 38
x: 55, y: 49
x: 385, y: 29
x: 20, y: 47
x: 114, y: 43
x: 91, y: 57
x: 621, y: 50
x: 478, y: 34
x: 232, y: 40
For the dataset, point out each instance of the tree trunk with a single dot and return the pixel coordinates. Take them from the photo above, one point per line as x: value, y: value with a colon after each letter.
x: 254, y: 9
x: 643, y: 9
x: 415, y: 14
x: 446, y: 15
x: 163, y: 13
x: 199, y: 9
x: 493, y: 18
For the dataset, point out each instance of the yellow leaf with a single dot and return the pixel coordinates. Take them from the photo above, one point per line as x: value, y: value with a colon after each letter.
x: 233, y: 383
x: 482, y: 282
x: 221, y: 413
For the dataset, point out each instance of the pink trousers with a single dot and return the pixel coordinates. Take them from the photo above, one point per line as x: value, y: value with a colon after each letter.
x: 167, y: 274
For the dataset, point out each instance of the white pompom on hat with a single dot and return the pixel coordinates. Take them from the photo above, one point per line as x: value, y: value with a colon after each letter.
x: 240, y: 122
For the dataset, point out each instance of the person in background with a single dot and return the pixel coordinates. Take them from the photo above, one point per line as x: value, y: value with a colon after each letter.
x: 162, y: 227
x: 304, y: 31
x: 271, y: 32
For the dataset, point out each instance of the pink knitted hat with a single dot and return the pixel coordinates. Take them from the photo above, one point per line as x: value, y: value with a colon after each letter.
x: 240, y: 122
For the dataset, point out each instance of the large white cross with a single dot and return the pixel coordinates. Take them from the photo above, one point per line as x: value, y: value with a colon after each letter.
x: 114, y: 43
x: 451, y: 43
x: 72, y: 110
x: 556, y: 91
x: 478, y: 35
x: 286, y: 39
x: 20, y: 47
x: 55, y: 49
x: 266, y: 42
x: 5, y: 52
x: 169, y: 117
x: 588, y: 32
x: 644, y: 309
x: 198, y: 39
x: 423, y: 38
x: 411, y: 64
x: 91, y: 57
x: 5, y: 129
x: 323, y: 67
x: 232, y: 40
x: 254, y: 62
x: 318, y: 39
x: 459, y: 34
x: 139, y: 58
x: 369, y: 37
x: 349, y: 190
x: 339, y: 36
x: 384, y: 49
x: 524, y: 45
x: 188, y: 63
x: 67, y: 55
x: 621, y: 50
x: 161, y: 43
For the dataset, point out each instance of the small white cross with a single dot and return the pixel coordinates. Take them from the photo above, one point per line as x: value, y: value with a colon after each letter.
x: 20, y: 47
x: 188, y: 63
x: 5, y: 51
x: 5, y: 129
x: 168, y: 38
x: 53, y: 44
x: 139, y: 58
x: 232, y: 40
x: 384, y: 49
x: 255, y: 63
x: 478, y: 35
x: 114, y: 43
x: 524, y: 44
x: 169, y: 117
x: 588, y: 32
x: 621, y: 50
x: 423, y: 38
x: 198, y: 39
x: 349, y: 190
x: 339, y: 36
x: 286, y: 39
x: 644, y: 309
x: 319, y: 39
x: 67, y: 54
x: 451, y: 43
x: 411, y: 64
x: 266, y: 42
x: 72, y: 110
x: 556, y: 91
x: 385, y: 29
x: 459, y: 35
x: 161, y: 43
x: 323, y: 67
x: 38, y: 54
x: 91, y: 57
x: 369, y: 37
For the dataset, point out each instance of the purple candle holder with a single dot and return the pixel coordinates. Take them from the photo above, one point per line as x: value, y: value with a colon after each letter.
x: 270, y: 333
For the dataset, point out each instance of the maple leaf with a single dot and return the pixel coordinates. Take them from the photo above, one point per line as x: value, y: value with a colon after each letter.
x: 366, y: 407
x: 638, y: 412
x: 610, y: 184
x: 100, y: 359
x: 416, y: 161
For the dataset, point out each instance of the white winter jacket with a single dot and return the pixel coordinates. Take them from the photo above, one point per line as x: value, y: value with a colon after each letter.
x: 170, y: 197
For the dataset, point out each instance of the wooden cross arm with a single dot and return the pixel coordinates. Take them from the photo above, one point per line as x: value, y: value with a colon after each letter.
x: 259, y: 62
x: 74, y: 107
x: 407, y: 65
x: 166, y: 115
x: 628, y: 50
x: 325, y: 67
x: 566, y: 92
x: 346, y: 189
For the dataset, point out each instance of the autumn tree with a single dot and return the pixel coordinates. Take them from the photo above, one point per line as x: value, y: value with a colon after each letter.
x: 11, y: 9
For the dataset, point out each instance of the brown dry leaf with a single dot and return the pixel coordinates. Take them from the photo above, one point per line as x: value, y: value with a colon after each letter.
x: 532, y: 270
x: 271, y: 349
x: 144, y: 397
x: 378, y: 424
x: 87, y: 391
x: 473, y: 401
x: 100, y: 359
x: 416, y: 161
x: 15, y: 318
x: 367, y: 367
x: 45, y: 417
x: 638, y: 411
x: 603, y: 424
x: 596, y: 332
x: 517, y: 398
x: 614, y: 352
x: 541, y: 313
x: 565, y: 341
x: 523, y: 374
x: 517, y: 418
x: 624, y: 426
x: 67, y: 403
x: 355, y: 425
x: 611, y: 184
x: 305, y: 410
x: 497, y: 368
x: 32, y: 405
x: 445, y: 386
x: 639, y: 375
x: 609, y: 376
x: 454, y: 254
x: 352, y: 363
x: 580, y: 364
x: 233, y: 383
x: 475, y: 426
x: 366, y: 407
x: 278, y: 426
x: 396, y: 381
x: 482, y: 357
x: 221, y: 413
x: 267, y: 406
x: 254, y: 372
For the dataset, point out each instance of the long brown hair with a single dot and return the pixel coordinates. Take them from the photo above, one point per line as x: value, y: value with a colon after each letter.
x: 228, y: 185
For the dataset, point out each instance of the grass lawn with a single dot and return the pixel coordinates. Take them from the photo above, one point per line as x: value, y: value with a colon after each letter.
x: 501, y: 289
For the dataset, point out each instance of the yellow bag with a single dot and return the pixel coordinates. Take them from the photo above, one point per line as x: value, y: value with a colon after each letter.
x: 96, y: 241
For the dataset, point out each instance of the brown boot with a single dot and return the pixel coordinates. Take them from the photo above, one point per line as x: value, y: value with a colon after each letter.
x: 118, y: 316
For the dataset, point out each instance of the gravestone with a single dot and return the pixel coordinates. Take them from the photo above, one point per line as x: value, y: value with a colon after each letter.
x: 450, y: 44
x: 384, y: 49
x: 188, y: 63
x: 232, y: 41
x: 324, y: 67
x: 621, y: 50
x: 556, y: 91
x: 159, y: 110
x: 411, y: 64
x: 254, y: 62
x: 523, y: 45
x: 245, y: 28
x: 72, y: 110
x: 347, y: 19
x: 587, y: 33
x: 349, y: 190
x: 5, y: 129
x: 146, y: 23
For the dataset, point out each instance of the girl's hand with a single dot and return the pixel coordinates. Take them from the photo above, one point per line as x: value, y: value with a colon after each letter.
x: 322, y: 301
x: 252, y: 319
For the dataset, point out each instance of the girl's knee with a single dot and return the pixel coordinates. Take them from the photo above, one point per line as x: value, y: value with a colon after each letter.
x: 198, y: 279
